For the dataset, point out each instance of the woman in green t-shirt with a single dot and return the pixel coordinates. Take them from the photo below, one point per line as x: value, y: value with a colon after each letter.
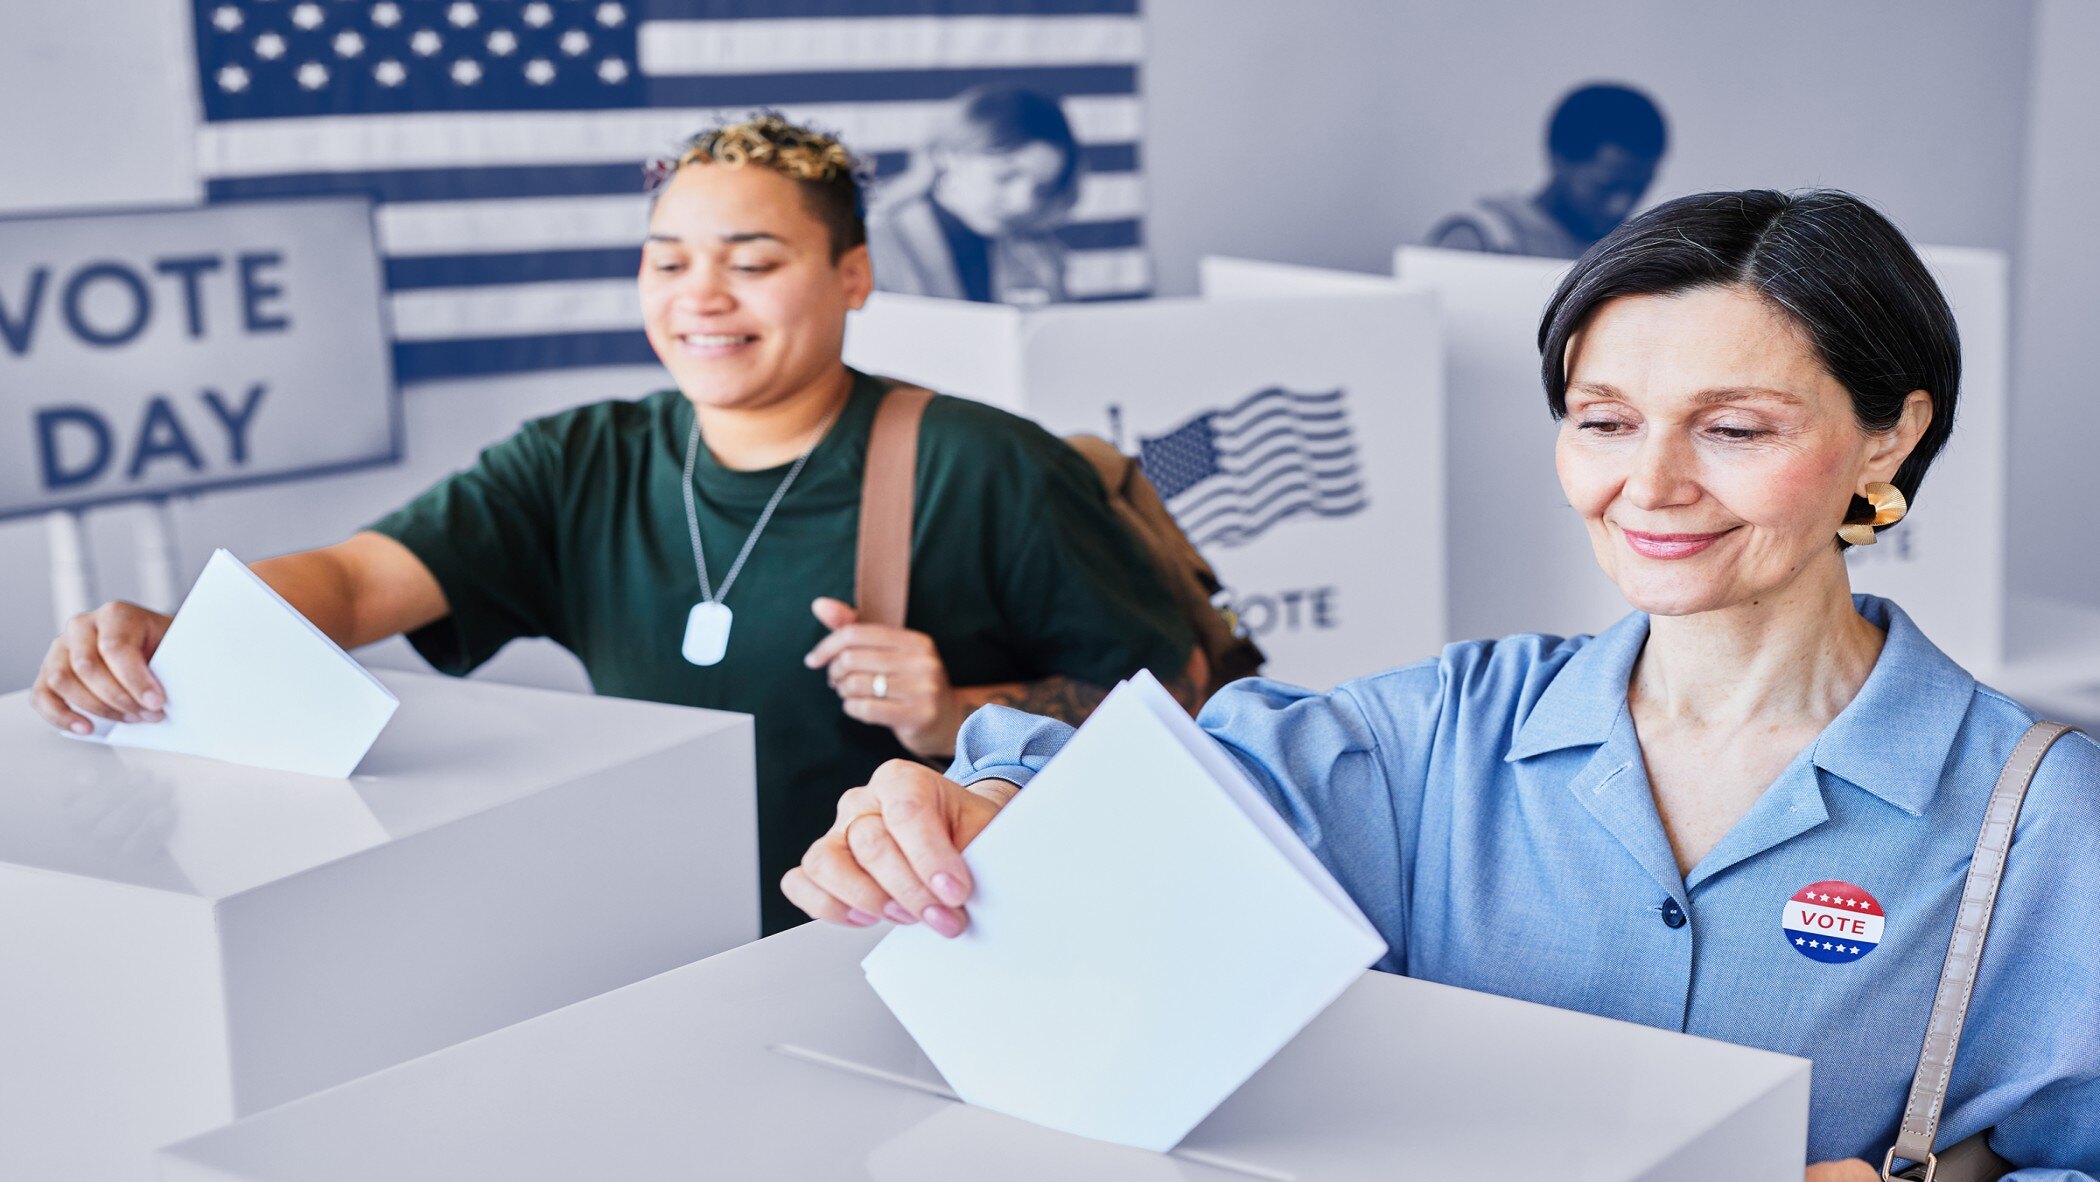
x: 696, y: 546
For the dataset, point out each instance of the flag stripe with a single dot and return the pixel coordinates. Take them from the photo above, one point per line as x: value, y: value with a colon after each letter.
x: 882, y: 86
x: 1233, y: 417
x: 1338, y: 500
x: 410, y: 272
x: 733, y: 47
x: 1290, y: 415
x: 1296, y: 435
x: 1095, y: 273
x: 525, y: 223
x: 1252, y: 485
x: 798, y: 9
x: 534, y: 180
x: 413, y: 272
x: 1239, y: 531
x: 581, y: 305
x: 454, y: 139
x: 417, y: 361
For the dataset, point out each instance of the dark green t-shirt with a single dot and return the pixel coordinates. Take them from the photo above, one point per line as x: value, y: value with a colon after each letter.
x: 575, y: 529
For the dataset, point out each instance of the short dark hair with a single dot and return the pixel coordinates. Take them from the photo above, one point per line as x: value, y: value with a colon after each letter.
x: 829, y: 175
x: 1003, y: 118
x: 1839, y: 269
x: 1607, y: 113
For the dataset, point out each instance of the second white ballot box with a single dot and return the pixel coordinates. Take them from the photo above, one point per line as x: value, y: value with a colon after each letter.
x: 777, y: 1061
x: 1529, y: 567
x: 185, y: 941
x: 1298, y: 441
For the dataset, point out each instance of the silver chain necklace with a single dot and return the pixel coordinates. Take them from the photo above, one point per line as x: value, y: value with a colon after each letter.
x: 707, y: 625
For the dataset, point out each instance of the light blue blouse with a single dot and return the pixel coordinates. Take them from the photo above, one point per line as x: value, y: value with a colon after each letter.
x: 1489, y: 810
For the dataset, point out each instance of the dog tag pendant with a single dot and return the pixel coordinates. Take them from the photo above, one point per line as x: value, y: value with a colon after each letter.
x: 706, y: 633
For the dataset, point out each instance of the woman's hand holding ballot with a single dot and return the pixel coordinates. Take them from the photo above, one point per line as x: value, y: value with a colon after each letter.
x: 98, y: 666
x: 895, y: 851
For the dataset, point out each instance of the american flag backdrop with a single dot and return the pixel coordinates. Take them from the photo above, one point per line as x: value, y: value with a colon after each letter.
x: 1228, y: 475
x: 503, y: 140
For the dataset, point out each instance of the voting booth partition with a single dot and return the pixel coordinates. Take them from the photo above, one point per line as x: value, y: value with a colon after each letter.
x: 1528, y: 566
x: 724, y: 1068
x: 184, y: 941
x: 1297, y: 441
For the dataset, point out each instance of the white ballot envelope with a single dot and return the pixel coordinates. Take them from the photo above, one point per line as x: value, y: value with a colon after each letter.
x: 250, y: 680
x: 1145, y: 933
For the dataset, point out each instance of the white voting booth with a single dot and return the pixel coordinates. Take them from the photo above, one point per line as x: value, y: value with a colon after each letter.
x: 776, y: 1060
x: 1297, y: 441
x: 184, y: 941
x: 1522, y: 562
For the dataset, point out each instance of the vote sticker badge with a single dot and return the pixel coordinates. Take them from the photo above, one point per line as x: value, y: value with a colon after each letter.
x: 1833, y: 922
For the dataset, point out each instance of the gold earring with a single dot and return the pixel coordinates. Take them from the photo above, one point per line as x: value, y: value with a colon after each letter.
x: 1889, y: 508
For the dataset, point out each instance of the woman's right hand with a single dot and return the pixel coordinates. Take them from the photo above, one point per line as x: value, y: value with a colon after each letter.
x: 895, y: 851
x: 98, y: 666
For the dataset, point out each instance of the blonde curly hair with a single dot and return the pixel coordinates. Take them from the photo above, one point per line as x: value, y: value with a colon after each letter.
x: 831, y: 177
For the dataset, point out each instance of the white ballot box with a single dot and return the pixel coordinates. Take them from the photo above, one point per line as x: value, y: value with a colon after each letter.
x: 185, y: 941
x: 776, y: 1061
x: 1298, y: 441
x: 1522, y: 562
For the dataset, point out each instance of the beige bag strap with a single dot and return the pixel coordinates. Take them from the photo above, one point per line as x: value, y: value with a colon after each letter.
x: 882, y: 561
x: 1950, y: 1004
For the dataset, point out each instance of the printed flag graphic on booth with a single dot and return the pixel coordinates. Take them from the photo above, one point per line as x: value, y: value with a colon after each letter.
x: 503, y: 141
x: 1228, y: 475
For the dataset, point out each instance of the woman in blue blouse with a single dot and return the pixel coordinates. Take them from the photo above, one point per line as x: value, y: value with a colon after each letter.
x: 1740, y: 378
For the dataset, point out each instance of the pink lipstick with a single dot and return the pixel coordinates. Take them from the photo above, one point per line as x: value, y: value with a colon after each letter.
x: 1669, y: 545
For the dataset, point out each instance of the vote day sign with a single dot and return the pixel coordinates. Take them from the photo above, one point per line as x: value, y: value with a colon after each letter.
x: 154, y: 353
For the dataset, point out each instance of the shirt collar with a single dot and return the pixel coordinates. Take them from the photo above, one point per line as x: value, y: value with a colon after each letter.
x: 1891, y: 740
x: 1583, y: 701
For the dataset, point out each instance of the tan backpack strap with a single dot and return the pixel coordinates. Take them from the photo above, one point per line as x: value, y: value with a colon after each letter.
x: 882, y: 563
x: 1950, y: 1004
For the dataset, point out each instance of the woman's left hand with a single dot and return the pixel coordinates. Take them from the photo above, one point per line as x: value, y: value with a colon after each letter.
x: 1849, y: 1170
x: 889, y: 677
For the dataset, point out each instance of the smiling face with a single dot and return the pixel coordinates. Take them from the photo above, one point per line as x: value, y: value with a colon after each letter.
x: 1709, y: 451
x: 741, y: 298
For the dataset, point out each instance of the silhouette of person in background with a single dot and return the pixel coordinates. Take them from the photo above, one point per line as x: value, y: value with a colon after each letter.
x: 1604, y: 144
x: 976, y: 222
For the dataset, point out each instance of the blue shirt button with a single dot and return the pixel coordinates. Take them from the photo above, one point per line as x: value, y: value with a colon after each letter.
x: 1673, y: 915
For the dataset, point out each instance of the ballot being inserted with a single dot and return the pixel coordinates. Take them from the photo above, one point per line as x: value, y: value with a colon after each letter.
x: 250, y: 680
x: 1145, y: 933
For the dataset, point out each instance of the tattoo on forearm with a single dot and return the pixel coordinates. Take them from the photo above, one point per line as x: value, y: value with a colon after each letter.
x: 1066, y: 699
x: 1183, y: 687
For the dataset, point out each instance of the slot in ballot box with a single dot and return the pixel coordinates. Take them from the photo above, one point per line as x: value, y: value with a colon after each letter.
x: 185, y: 941
x: 1945, y: 564
x: 1297, y: 441
x: 777, y: 1061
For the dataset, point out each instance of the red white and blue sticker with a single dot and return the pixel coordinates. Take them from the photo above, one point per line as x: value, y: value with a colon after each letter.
x: 1833, y: 922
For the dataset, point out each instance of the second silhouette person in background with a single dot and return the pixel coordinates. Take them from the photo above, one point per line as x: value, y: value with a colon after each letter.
x: 1604, y: 144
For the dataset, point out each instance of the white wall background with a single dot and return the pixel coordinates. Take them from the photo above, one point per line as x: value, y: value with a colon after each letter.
x: 2054, y: 540
x: 1323, y: 132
